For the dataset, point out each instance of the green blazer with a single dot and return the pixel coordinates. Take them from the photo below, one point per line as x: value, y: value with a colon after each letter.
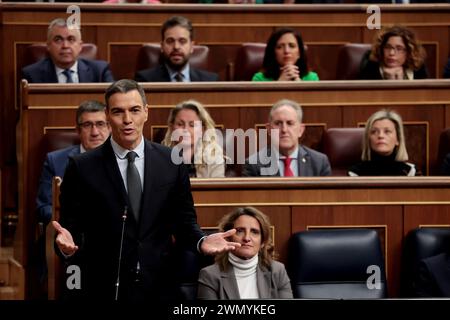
x: 311, y: 76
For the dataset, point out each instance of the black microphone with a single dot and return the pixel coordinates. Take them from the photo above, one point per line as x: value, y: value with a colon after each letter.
x: 124, y: 218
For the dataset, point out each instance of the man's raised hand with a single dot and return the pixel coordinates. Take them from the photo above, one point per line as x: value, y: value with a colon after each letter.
x: 64, y: 240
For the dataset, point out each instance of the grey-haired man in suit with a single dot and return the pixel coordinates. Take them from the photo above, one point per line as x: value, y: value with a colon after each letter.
x: 286, y: 157
x: 64, y: 65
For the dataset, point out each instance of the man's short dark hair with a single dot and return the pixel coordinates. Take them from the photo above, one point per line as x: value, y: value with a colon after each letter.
x: 124, y: 86
x: 177, y: 21
x: 89, y: 106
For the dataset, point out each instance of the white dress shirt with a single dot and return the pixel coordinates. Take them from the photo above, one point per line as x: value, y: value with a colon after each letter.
x: 294, y: 163
x: 122, y: 161
x: 185, y: 72
x: 63, y: 79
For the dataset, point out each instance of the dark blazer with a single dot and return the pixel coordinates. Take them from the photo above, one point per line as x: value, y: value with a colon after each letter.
x: 161, y: 74
x: 370, y: 70
x: 272, y: 283
x: 310, y: 163
x: 44, y: 71
x: 434, y: 277
x: 54, y: 166
x: 445, y: 167
x: 93, y: 201
x: 447, y: 70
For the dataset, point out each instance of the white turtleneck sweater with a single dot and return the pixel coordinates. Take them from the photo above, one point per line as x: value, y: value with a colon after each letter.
x: 245, y: 272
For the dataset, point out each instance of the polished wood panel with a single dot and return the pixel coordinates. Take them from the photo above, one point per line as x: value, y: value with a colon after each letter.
x: 426, y: 216
x: 118, y: 30
x: 53, y: 106
x: 392, y: 206
x: 295, y: 204
x: 324, y: 28
x: 422, y: 104
x: 54, y: 263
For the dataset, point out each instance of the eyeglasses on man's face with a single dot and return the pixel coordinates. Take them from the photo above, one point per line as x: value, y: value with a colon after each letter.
x: 397, y: 49
x: 88, y: 125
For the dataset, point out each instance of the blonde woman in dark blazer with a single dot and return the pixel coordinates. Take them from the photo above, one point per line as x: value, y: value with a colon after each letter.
x: 249, y: 272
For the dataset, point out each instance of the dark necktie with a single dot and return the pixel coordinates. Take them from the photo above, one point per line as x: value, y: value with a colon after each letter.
x: 68, y: 74
x: 134, y: 184
x: 287, y: 167
x: 179, y: 77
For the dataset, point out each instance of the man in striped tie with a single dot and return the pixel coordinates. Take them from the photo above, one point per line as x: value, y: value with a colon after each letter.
x: 64, y: 64
x: 125, y: 209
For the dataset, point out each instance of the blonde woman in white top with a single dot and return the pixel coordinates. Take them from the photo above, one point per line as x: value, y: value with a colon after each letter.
x: 192, y: 131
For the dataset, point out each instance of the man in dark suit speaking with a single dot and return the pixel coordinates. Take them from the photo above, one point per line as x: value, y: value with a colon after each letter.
x: 129, y: 187
x: 177, y: 45
x: 63, y: 64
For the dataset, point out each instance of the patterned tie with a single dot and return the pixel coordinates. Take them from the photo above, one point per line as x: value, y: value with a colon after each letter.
x: 179, y: 77
x: 68, y: 74
x: 287, y: 167
x: 134, y: 185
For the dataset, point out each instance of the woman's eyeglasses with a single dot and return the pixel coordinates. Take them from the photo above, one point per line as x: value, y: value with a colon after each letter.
x: 398, y: 49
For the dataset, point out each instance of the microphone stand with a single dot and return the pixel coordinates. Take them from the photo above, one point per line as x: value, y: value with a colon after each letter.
x: 124, y: 218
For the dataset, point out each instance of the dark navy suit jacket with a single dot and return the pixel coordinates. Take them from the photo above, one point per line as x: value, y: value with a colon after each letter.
x: 54, y: 165
x: 161, y: 74
x: 447, y: 70
x: 44, y: 71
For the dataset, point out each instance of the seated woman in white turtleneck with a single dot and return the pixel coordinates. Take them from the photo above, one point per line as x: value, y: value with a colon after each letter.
x: 249, y: 272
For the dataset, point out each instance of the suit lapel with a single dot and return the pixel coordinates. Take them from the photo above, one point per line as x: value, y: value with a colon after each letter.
x: 75, y: 150
x: 193, y: 74
x: 147, y: 214
x: 230, y: 284
x: 270, y: 152
x: 48, y: 71
x: 84, y: 72
x: 113, y: 172
x: 164, y: 73
x: 303, y: 162
x: 263, y: 281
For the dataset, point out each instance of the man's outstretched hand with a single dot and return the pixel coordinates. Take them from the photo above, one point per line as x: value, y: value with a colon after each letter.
x: 218, y: 243
x: 64, y: 240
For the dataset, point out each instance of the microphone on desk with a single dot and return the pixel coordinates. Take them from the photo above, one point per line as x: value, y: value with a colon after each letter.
x: 124, y: 218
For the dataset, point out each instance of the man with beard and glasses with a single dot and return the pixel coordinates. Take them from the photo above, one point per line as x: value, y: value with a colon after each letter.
x: 177, y: 46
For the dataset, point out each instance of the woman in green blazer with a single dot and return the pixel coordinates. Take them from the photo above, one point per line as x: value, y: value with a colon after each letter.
x: 285, y: 59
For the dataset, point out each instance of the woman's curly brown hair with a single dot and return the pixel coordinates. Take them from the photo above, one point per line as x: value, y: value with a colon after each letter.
x: 415, y: 52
